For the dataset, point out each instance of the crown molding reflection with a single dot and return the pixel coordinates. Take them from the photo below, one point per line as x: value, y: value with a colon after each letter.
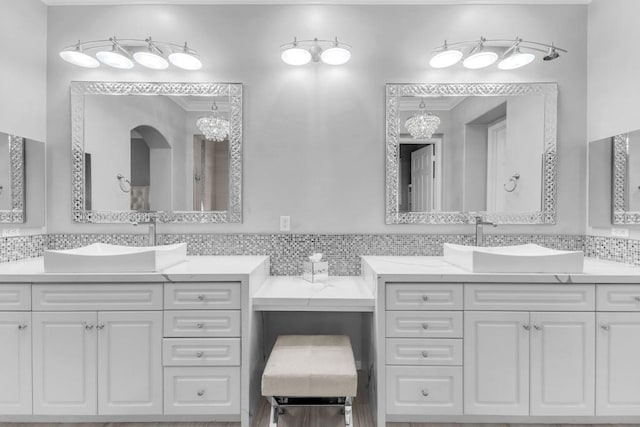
x: 312, y: 2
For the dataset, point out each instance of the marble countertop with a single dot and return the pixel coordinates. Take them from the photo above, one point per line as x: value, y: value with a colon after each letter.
x: 195, y: 268
x: 289, y: 293
x: 436, y: 269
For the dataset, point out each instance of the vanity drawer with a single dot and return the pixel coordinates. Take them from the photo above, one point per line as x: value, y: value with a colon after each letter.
x: 15, y: 297
x: 202, y: 323
x: 81, y: 297
x: 202, y: 296
x: 618, y: 297
x: 202, y: 391
x: 419, y: 351
x: 529, y: 297
x: 201, y: 351
x: 424, y: 296
x: 424, y: 324
x: 424, y: 390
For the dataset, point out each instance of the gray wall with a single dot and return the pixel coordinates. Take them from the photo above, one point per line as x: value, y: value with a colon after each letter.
x: 314, y: 135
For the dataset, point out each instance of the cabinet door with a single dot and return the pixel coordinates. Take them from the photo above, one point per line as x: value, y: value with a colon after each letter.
x: 129, y: 362
x: 562, y: 363
x: 496, y: 363
x: 64, y: 363
x: 618, y: 369
x: 15, y: 362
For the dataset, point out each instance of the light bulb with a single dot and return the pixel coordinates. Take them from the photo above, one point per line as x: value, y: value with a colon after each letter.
x: 115, y: 59
x: 446, y: 58
x: 335, y: 56
x: 296, y: 56
x: 516, y: 59
x: 151, y: 60
x: 79, y: 58
x: 480, y: 59
x: 185, y: 60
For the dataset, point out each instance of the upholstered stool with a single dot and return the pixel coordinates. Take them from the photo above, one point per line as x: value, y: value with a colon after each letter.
x: 310, y: 370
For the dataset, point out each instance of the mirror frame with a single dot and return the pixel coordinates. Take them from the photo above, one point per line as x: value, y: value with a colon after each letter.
x: 233, y: 90
x: 621, y: 215
x: 16, y: 215
x: 547, y: 214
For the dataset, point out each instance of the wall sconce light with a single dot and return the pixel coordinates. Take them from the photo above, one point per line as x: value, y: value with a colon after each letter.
x: 300, y: 52
x: 512, y: 54
x: 125, y: 53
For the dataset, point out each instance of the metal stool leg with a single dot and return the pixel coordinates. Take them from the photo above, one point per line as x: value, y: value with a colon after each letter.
x: 348, y: 412
x: 275, y: 410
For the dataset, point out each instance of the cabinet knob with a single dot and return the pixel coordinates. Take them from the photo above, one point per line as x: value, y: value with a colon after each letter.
x: 425, y: 393
x: 201, y: 297
x: 537, y: 327
x: 604, y: 326
x: 88, y: 326
x: 425, y: 325
x: 425, y: 354
x: 637, y: 299
x: 100, y: 326
x: 22, y: 327
x: 526, y: 327
x: 201, y: 393
x: 425, y: 297
x: 200, y: 325
x: 199, y: 354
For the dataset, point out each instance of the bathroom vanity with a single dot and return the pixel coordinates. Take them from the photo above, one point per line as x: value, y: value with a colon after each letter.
x: 443, y: 344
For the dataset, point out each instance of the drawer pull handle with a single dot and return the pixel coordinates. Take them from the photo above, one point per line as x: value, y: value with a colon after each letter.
x: 425, y: 297
x: 604, y: 326
x: 200, y: 393
x: 526, y: 327
x: 425, y: 325
x: 637, y: 299
x: 100, y: 326
x: 22, y: 327
x: 425, y: 393
x: 537, y: 327
x: 199, y: 354
x: 425, y: 354
x: 201, y: 297
x: 200, y: 325
x: 88, y: 326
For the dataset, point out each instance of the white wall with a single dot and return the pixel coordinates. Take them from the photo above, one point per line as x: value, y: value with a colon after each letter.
x: 314, y: 135
x: 23, y: 73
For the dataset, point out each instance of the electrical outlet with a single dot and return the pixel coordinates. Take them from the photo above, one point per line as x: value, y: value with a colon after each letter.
x: 10, y: 232
x: 285, y: 223
x: 620, y: 232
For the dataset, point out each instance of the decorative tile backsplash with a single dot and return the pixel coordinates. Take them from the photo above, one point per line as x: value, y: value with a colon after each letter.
x: 287, y: 251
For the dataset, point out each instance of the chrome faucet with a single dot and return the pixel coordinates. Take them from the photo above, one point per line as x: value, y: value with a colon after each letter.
x: 480, y: 223
x: 152, y: 229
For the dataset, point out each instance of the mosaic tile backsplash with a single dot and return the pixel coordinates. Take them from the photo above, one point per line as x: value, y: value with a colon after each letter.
x: 287, y: 251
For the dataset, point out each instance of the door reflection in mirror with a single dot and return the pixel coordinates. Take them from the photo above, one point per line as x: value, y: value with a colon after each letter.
x: 210, y: 174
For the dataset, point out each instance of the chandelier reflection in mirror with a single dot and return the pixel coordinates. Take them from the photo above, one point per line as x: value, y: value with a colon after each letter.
x: 300, y: 52
x: 512, y: 54
x: 213, y: 127
x: 422, y: 125
x: 125, y: 53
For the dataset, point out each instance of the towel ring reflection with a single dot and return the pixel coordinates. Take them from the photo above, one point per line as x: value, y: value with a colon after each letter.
x: 123, y: 183
x: 511, y: 185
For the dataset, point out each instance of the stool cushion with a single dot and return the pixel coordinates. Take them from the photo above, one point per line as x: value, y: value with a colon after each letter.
x: 311, y: 366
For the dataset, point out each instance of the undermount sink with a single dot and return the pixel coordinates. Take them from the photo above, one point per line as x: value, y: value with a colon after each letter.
x: 105, y: 258
x: 529, y: 258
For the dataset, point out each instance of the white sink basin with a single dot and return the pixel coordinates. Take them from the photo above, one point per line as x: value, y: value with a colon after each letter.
x: 104, y: 258
x: 529, y: 258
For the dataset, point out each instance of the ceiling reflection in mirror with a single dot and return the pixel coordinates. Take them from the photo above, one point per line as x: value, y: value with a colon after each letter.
x: 152, y: 152
x: 482, y: 149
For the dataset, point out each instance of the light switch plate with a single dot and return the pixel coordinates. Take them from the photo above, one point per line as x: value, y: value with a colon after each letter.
x: 285, y: 223
x: 620, y: 232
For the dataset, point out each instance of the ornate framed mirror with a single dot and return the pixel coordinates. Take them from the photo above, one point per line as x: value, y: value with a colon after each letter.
x: 455, y: 151
x: 626, y: 179
x: 12, y: 179
x: 171, y: 151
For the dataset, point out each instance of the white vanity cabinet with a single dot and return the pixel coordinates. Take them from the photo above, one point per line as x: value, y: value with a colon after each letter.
x: 618, y: 350
x: 15, y: 349
x: 105, y: 362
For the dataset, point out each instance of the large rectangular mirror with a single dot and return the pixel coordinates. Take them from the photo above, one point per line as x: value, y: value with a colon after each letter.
x: 626, y: 178
x: 457, y: 151
x: 12, y: 179
x: 172, y: 151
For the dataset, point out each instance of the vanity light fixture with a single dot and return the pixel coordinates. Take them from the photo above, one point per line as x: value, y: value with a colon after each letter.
x: 422, y: 125
x: 301, y: 52
x: 213, y: 127
x: 510, y: 54
x: 121, y: 54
